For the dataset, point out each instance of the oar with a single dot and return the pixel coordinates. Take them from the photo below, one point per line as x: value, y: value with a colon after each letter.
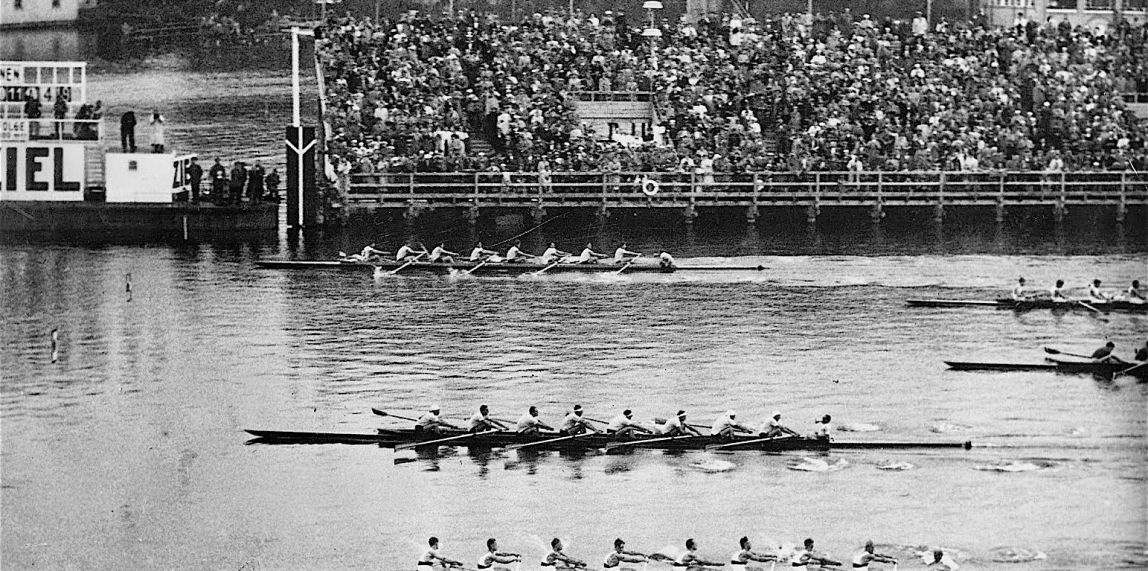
x: 1097, y: 312
x: 539, y: 272
x: 385, y: 413
x: 1132, y: 368
x: 639, y: 442
x: 628, y: 264
x: 544, y: 442
x: 400, y: 268
x: 480, y: 264
x: 744, y: 442
x: 441, y: 440
x: 1052, y: 351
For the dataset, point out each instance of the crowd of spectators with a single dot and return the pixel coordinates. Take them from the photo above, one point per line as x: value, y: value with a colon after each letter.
x: 790, y: 93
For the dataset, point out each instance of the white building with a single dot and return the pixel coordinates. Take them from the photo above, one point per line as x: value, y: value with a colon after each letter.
x: 1093, y: 14
x: 30, y: 13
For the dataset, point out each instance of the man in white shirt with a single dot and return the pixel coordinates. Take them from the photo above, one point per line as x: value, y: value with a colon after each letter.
x: 821, y: 432
x: 589, y: 256
x: 621, y: 254
x: 773, y: 428
x: 481, y: 421
x: 407, y: 253
x: 440, y: 254
x: 726, y: 426
x: 676, y: 426
x: 432, y: 556
x: 1018, y: 292
x: 574, y: 424
x: 430, y: 421
x: 479, y: 253
x: 624, y: 425
x: 552, y: 255
x: 515, y: 255
x: 530, y: 423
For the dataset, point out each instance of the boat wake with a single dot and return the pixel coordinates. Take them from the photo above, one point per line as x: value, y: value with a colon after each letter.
x: 713, y: 466
x: 806, y: 464
x: 1016, y: 466
x: 947, y: 427
x: 859, y: 427
x: 1016, y: 555
x: 895, y: 466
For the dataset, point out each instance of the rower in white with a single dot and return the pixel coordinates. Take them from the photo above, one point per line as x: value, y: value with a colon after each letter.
x: 625, y: 425
x: 368, y: 254
x: 677, y: 426
x: 431, y: 557
x: 558, y: 560
x: 589, y: 256
x: 430, y: 421
x: 552, y: 255
x: 867, y: 556
x: 515, y: 255
x: 622, y: 255
x: 1057, y: 293
x: 441, y: 254
x: 496, y: 560
x: 619, y: 557
x: 481, y: 421
x: 408, y: 252
x: 480, y: 253
x: 1095, y: 294
x: 1133, y: 293
x: 690, y: 559
x: 529, y: 423
x: 812, y: 559
x: 1019, y: 293
x: 574, y: 424
x: 939, y: 563
x: 773, y: 428
x: 823, y: 429
x: 726, y: 426
x: 665, y: 260
x: 741, y: 561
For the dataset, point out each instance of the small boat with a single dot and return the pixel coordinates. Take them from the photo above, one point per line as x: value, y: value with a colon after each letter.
x: 407, y: 438
x: 498, y: 268
x: 1057, y: 365
x: 1006, y: 303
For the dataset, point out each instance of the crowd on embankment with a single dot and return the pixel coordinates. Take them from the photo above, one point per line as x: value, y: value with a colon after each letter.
x: 790, y: 93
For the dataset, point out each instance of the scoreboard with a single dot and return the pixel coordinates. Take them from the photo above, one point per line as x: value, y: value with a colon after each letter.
x: 46, y: 81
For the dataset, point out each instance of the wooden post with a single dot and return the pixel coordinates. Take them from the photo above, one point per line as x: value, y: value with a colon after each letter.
x: 1122, y: 205
x: 1061, y: 207
x: 878, y: 211
x: 1000, y: 200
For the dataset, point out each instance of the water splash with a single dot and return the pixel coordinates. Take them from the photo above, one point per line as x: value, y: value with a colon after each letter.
x: 806, y: 464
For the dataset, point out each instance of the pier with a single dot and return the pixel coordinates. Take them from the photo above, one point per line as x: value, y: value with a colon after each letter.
x: 753, y: 193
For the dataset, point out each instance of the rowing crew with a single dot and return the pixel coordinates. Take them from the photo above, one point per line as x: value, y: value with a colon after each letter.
x: 1104, y: 355
x: 1095, y: 294
x: 575, y: 423
x: 514, y: 255
x: 621, y: 559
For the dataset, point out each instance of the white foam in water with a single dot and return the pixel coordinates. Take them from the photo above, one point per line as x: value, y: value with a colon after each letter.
x: 895, y: 466
x: 1013, y: 466
x: 713, y: 465
x: 817, y: 465
x: 1016, y: 555
x: 858, y: 427
x: 946, y: 427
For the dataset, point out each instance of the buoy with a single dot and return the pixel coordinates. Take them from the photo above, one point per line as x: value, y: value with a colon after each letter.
x: 650, y: 187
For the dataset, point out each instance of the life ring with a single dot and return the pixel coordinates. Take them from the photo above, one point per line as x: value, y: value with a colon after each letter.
x: 650, y: 187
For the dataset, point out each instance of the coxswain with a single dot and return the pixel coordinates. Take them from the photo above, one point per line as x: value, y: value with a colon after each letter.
x: 441, y: 254
x: 1104, y: 354
x: 480, y: 253
x: 1095, y: 295
x: 589, y: 256
x: 746, y: 554
x: 625, y: 425
x: 494, y: 559
x: 690, y: 559
x: 867, y: 556
x: 823, y: 429
x: 773, y: 428
x: 1142, y: 353
x: 407, y: 253
x: 622, y: 255
x: 432, y: 556
x: 619, y: 556
x: 530, y: 423
x: 1057, y: 293
x: 430, y: 421
x: 812, y: 559
x: 938, y: 564
x: 1133, y: 294
x: 1018, y: 292
x: 515, y: 255
x: 552, y: 255
x: 726, y: 426
x: 677, y: 426
x: 666, y: 260
x: 574, y: 424
x: 481, y: 421
x: 558, y: 560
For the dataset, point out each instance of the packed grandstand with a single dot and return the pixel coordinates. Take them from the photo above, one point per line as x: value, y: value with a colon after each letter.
x: 787, y: 93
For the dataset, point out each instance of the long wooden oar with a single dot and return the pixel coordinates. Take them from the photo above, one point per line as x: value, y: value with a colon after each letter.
x: 550, y: 441
x: 744, y: 442
x: 480, y: 264
x: 385, y: 413
x: 402, y: 267
x: 539, y: 272
x: 627, y: 266
x: 639, y: 442
x: 442, y: 440
x: 1052, y: 351
x: 1096, y: 312
x: 1132, y: 368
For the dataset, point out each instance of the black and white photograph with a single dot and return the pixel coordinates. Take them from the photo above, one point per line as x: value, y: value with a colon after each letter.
x: 574, y: 285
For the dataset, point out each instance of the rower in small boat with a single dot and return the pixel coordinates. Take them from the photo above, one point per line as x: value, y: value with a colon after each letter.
x: 530, y: 423
x: 741, y: 560
x: 441, y: 254
x: 431, y: 422
x: 432, y: 556
x: 1096, y: 295
x: 676, y: 426
x: 726, y: 426
x: 938, y: 563
x: 619, y: 556
x: 1142, y: 353
x: 1019, y: 293
x: 589, y: 256
x: 552, y: 255
x: 481, y: 421
x: 665, y: 260
x: 515, y: 255
x: 773, y: 428
x: 496, y: 560
x: 867, y: 556
x: 823, y: 429
x: 1104, y: 355
x: 1133, y: 293
x: 625, y: 425
x: 407, y: 252
x: 480, y: 253
x: 690, y: 559
x: 368, y: 254
x: 1057, y: 293
x: 574, y: 424
x: 558, y: 560
x: 812, y: 559
x: 622, y: 255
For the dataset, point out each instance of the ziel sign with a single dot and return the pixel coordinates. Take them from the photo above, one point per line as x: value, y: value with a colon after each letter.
x: 41, y: 172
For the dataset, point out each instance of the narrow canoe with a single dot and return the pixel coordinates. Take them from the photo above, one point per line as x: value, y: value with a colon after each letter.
x: 1058, y: 365
x: 1034, y: 304
x: 497, y: 268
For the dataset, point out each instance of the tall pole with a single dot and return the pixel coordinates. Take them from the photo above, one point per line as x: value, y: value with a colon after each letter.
x: 295, y: 118
x: 810, y: 8
x: 929, y: 11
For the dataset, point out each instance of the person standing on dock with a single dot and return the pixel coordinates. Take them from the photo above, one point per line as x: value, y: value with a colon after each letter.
x: 432, y: 556
x: 560, y: 561
x: 60, y: 113
x: 272, y: 184
x: 574, y: 424
x: 867, y: 556
x: 218, y: 176
x: 128, y: 131
x: 481, y: 421
x: 255, y: 184
x: 158, y: 132
x: 194, y: 176
x: 530, y: 423
x: 238, y: 181
x: 1019, y: 293
x: 622, y: 255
